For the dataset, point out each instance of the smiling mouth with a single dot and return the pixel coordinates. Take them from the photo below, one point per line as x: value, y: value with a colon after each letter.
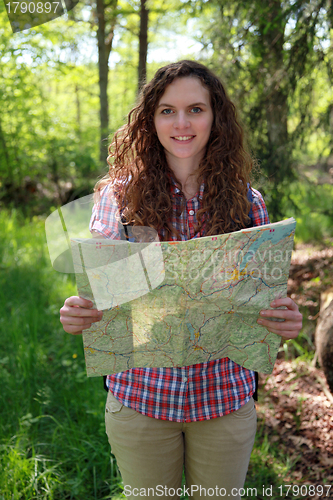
x: 183, y: 138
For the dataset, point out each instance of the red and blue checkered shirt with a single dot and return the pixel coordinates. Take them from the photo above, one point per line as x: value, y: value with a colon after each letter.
x: 190, y: 393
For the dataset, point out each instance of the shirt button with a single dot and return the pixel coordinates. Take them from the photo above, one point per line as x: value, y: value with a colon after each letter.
x: 191, y: 212
x: 184, y: 379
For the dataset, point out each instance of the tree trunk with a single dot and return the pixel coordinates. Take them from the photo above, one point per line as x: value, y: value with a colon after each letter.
x: 103, y: 68
x: 6, y: 154
x: 324, y: 338
x: 272, y: 26
x: 78, y: 111
x: 143, y: 45
x: 104, y: 42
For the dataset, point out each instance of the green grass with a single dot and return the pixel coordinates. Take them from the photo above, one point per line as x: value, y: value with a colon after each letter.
x: 311, y: 205
x: 267, y: 470
x: 52, y: 439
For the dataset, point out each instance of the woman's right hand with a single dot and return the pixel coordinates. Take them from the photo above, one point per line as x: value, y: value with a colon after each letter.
x: 76, y: 315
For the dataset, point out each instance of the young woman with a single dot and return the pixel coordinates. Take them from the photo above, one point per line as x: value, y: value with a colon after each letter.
x: 180, y: 166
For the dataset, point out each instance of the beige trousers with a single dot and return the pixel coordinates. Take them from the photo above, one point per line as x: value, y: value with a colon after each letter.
x: 151, y: 453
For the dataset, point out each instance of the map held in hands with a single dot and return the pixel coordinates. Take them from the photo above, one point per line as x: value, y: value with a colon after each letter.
x: 185, y: 302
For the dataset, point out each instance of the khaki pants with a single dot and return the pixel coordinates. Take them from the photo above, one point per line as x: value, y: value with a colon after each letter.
x: 151, y: 453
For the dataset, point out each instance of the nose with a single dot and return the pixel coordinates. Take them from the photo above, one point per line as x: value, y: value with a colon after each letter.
x: 181, y: 120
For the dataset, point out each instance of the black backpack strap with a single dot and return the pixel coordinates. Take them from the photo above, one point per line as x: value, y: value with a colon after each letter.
x: 250, y: 198
x: 255, y: 394
x: 105, y: 386
x: 126, y: 231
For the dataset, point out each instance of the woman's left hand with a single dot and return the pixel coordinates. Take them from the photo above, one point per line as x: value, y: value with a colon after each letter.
x: 292, y: 324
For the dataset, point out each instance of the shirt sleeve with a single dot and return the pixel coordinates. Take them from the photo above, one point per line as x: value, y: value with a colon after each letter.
x: 259, y: 210
x: 103, y: 219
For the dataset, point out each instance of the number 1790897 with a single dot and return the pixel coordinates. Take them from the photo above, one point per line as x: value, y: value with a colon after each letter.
x: 306, y: 490
x: 32, y: 7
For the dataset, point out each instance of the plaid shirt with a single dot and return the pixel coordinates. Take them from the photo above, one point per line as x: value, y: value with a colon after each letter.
x: 190, y: 393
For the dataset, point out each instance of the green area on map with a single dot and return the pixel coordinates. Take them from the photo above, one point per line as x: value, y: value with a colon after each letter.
x: 172, y: 304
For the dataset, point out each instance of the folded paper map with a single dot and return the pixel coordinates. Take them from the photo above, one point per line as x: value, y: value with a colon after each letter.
x: 179, y: 303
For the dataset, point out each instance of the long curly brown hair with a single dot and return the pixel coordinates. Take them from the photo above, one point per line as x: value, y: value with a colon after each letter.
x: 138, y: 169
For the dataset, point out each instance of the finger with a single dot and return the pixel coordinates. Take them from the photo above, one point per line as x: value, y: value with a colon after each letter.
x: 286, y: 301
x: 286, y: 325
x: 278, y: 313
x: 76, y: 321
x: 78, y: 301
x: 284, y: 329
x: 289, y: 334
x: 80, y: 312
x: 74, y: 330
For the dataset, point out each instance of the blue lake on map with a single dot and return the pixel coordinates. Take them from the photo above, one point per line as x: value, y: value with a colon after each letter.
x: 274, y: 237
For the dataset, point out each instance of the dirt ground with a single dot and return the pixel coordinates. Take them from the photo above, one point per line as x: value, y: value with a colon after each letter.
x: 296, y: 404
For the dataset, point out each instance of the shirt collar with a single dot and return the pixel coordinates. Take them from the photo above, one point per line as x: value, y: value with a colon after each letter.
x: 175, y: 189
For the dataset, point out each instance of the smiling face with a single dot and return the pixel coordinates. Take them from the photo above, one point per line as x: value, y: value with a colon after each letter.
x: 183, y: 121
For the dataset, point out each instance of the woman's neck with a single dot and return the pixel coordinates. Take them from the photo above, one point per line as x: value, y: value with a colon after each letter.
x: 190, y: 192
x: 183, y: 170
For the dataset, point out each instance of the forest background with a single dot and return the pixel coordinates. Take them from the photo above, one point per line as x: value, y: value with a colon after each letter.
x: 65, y: 88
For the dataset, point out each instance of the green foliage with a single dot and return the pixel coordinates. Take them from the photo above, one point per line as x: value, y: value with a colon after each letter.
x: 49, y: 125
x: 276, y: 59
x: 268, y: 467
x: 311, y: 205
x: 52, y: 437
x: 49, y: 118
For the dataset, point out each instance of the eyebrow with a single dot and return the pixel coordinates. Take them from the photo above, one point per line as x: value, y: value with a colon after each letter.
x: 190, y: 105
